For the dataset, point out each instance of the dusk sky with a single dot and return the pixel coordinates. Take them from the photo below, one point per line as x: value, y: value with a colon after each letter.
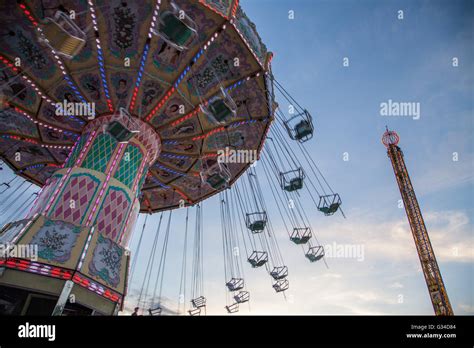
x: 403, y: 60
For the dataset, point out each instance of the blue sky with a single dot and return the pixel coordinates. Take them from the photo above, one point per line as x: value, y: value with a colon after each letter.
x: 407, y: 60
x: 404, y: 60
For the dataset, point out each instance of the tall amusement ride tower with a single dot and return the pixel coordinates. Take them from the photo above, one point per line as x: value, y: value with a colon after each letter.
x: 434, y: 281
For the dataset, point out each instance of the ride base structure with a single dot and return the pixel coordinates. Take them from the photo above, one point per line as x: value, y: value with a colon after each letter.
x: 83, y: 218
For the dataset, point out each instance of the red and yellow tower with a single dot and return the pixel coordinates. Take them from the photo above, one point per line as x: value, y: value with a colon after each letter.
x: 434, y: 281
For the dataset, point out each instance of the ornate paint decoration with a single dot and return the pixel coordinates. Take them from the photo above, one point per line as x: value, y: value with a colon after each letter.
x: 33, y: 154
x: 218, y: 68
x: 124, y: 20
x: 128, y: 168
x: 151, y: 91
x: 48, y: 113
x: 81, y: 189
x: 77, y: 150
x: 219, y: 141
x: 121, y: 82
x: 15, y: 89
x: 184, y: 129
x: 106, y: 261
x: 171, y: 111
x: 15, y: 123
x: 113, y: 211
x: 32, y: 54
x: 90, y: 83
x: 100, y: 152
x: 249, y: 31
x: 221, y: 6
x: 55, y: 240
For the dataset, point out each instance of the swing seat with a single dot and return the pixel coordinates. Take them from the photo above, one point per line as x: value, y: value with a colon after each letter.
x: 329, y: 204
x: 300, y: 127
x: 242, y: 297
x: 257, y: 226
x: 292, y: 180
x: 301, y: 235
x: 300, y: 240
x: 303, y: 130
x: 331, y: 209
x: 279, y: 272
x: 194, y: 312
x: 120, y: 132
x: 256, y: 222
x: 199, y: 302
x: 233, y: 308
x: 258, y: 258
x: 281, y: 285
x: 62, y: 35
x: 221, y: 108
x: 220, y: 111
x: 216, y: 181
x: 215, y: 174
x: 235, y: 284
x: 176, y: 28
x: 294, y: 185
x: 257, y: 263
x: 155, y: 311
x: 315, y: 253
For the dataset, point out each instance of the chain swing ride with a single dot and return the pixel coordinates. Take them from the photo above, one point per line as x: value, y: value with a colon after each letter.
x: 198, y: 82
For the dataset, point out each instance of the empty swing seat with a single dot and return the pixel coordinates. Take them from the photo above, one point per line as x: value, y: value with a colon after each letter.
x: 300, y: 127
x: 62, y: 35
x: 292, y: 180
x: 233, y: 308
x: 256, y: 222
x: 329, y: 204
x: 315, y: 253
x: 176, y: 28
x: 303, y: 130
x: 242, y: 296
x: 194, y: 312
x: 220, y: 111
x: 221, y: 108
x: 257, y: 226
x: 199, y: 302
x: 294, y: 185
x: 281, y: 285
x: 215, y: 174
x: 119, y: 132
x: 216, y: 181
x: 235, y: 284
x: 155, y: 311
x: 301, y: 235
x: 258, y: 258
x: 279, y: 272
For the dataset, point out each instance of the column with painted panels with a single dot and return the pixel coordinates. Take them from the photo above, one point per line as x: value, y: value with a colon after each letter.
x: 101, y: 180
x: 84, y: 215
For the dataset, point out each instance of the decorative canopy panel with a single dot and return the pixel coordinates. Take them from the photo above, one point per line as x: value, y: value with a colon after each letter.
x: 123, y: 64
